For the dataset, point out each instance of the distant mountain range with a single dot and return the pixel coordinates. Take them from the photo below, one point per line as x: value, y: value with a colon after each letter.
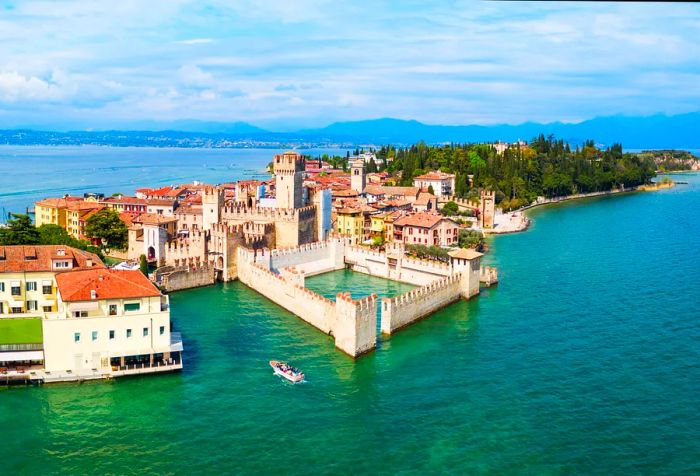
x: 659, y: 131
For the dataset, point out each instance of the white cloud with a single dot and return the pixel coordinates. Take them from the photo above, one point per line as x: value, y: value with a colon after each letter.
x: 16, y: 87
x: 195, y: 41
x: 192, y: 75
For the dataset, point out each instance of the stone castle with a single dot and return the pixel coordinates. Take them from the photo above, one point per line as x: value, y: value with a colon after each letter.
x: 295, y: 218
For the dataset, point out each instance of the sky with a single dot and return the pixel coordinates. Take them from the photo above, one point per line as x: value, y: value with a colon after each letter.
x: 287, y: 65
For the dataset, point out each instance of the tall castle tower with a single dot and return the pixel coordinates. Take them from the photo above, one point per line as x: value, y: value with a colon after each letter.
x: 488, y: 208
x: 212, y: 203
x: 289, y: 176
x: 357, y: 175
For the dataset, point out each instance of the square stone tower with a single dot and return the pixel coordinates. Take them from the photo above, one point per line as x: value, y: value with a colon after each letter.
x: 289, y: 177
x: 212, y: 203
x: 488, y: 208
x: 357, y: 175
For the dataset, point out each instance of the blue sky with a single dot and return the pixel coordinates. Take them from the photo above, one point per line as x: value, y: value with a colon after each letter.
x: 293, y: 64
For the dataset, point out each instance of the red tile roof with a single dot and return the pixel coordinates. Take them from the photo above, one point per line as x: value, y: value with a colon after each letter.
x: 153, y: 219
x: 15, y: 259
x: 58, y: 202
x: 392, y: 191
x: 107, y: 284
x: 421, y: 220
x: 435, y: 175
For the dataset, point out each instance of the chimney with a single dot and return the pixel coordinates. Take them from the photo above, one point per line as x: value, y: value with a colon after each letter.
x: 93, y: 294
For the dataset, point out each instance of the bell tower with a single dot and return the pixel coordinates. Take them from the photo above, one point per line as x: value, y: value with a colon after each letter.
x: 357, y: 175
x: 289, y: 177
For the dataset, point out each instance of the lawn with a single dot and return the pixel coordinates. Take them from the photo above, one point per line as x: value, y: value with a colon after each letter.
x: 21, y: 331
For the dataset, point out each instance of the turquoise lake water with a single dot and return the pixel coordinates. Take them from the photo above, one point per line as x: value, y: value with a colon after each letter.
x: 32, y: 173
x: 585, y: 359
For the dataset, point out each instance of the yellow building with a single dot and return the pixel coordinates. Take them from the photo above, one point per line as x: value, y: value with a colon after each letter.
x: 351, y: 223
x: 52, y: 211
x: 377, y: 228
x: 76, y: 215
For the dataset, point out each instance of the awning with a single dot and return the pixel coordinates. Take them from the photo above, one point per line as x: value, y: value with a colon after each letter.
x: 48, y: 302
x: 17, y: 356
x: 14, y: 284
x: 84, y: 306
x: 47, y: 282
x: 15, y: 303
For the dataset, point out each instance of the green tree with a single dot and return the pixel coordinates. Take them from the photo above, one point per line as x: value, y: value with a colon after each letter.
x: 431, y: 190
x: 471, y: 239
x: 450, y: 209
x: 107, y: 227
x: 55, y: 235
x: 143, y: 264
x: 19, y: 231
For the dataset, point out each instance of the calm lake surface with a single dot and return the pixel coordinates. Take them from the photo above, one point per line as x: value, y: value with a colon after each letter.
x: 31, y: 173
x: 585, y: 359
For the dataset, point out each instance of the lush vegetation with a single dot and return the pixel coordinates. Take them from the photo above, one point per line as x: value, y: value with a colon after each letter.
x: 546, y: 167
x: 21, y: 231
x: 108, y: 228
x: 671, y: 160
x: 451, y: 209
x: 428, y: 252
x: 471, y: 239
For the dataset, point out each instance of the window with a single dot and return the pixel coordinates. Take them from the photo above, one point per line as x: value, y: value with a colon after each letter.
x: 16, y: 290
x: 162, y: 330
x: 132, y: 306
x: 76, y: 337
x: 16, y: 310
x: 94, y: 336
x: 80, y: 314
x: 46, y: 289
x: 32, y: 306
x: 47, y: 308
x: 111, y: 335
x: 2, y: 287
x: 112, y: 309
x: 128, y: 333
x: 2, y: 308
x: 145, y: 331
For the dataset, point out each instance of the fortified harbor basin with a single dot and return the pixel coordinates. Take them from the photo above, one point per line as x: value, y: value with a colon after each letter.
x: 280, y: 275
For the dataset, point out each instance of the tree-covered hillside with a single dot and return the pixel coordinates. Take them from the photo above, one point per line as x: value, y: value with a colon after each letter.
x: 546, y: 167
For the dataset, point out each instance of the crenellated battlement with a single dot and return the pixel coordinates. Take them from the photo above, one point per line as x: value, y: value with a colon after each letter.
x: 243, y: 213
x: 426, y: 291
x: 290, y: 250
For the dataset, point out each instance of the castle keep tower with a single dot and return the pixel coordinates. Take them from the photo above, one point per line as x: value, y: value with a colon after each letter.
x: 212, y: 203
x: 357, y: 175
x: 289, y: 176
x: 487, y: 208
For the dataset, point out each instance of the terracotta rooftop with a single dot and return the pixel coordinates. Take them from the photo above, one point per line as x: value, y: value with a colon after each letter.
x: 348, y: 210
x: 21, y: 258
x: 421, y: 220
x: 125, y: 199
x: 107, y: 284
x: 160, y: 201
x: 424, y: 198
x: 153, y: 219
x: 58, y: 202
x: 392, y: 191
x: 345, y: 193
x: 435, y: 175
x: 465, y: 253
x: 84, y: 206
